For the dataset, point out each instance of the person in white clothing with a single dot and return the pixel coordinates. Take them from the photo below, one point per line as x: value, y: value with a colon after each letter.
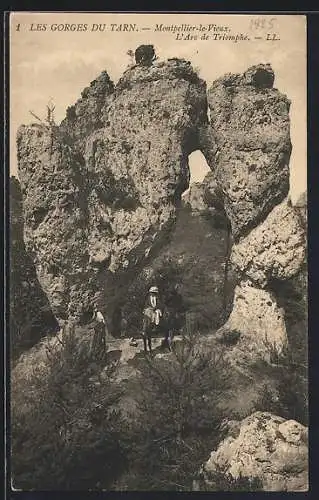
x: 152, y: 315
x: 99, y: 339
x: 99, y: 317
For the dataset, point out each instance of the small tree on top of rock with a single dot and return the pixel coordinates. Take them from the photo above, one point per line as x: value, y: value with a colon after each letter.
x: 49, y: 119
x: 130, y: 53
x: 145, y: 55
x: 50, y: 113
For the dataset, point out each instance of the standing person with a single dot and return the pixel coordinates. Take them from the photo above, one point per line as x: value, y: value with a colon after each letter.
x: 100, y: 331
x: 152, y: 315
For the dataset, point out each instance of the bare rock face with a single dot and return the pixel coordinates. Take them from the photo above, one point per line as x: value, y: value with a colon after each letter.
x: 205, y: 195
x: 31, y: 316
x: 265, y: 447
x: 91, y: 219
x: 256, y: 326
x: 56, y: 222
x: 273, y: 250
x: 213, y: 195
x: 250, y: 126
x: 86, y: 115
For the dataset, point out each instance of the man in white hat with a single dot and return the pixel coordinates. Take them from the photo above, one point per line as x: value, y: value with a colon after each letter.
x: 152, y: 302
x: 152, y: 314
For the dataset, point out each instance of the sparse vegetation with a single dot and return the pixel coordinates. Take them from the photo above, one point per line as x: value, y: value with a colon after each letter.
x: 64, y: 428
x: 220, y: 481
x: 179, y: 418
x: 67, y: 433
x: 287, y: 396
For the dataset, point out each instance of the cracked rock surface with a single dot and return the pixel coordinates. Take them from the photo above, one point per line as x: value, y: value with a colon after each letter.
x: 266, y: 447
x: 94, y: 211
x: 251, y: 128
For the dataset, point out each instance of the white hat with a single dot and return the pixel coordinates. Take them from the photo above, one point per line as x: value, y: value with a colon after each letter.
x: 153, y: 289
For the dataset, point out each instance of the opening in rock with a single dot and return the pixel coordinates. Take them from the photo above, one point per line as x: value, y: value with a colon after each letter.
x: 198, y: 167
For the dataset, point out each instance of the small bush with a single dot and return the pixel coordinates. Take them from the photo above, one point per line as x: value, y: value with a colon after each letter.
x: 287, y: 396
x: 221, y: 481
x: 69, y: 437
x: 179, y: 419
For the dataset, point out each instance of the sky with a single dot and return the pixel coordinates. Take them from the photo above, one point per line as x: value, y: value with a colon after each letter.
x: 49, y: 63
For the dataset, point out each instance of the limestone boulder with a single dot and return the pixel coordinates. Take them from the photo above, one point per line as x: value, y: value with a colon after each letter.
x: 56, y: 224
x: 265, y: 447
x: 86, y: 115
x: 275, y: 249
x: 31, y: 315
x: 255, y: 328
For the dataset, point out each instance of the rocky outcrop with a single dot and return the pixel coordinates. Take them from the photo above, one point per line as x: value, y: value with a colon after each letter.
x: 263, y: 447
x: 92, y: 219
x: 250, y: 126
x: 195, y: 197
x: 256, y: 326
x: 101, y: 191
x: 205, y: 196
x: 31, y: 316
x: 86, y: 115
x: 56, y: 219
x: 273, y: 250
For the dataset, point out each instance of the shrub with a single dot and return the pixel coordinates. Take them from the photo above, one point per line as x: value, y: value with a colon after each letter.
x: 179, y: 417
x: 221, y: 481
x: 287, y: 396
x: 69, y: 437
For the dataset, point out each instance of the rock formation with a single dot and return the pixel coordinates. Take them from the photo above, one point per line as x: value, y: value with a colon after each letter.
x: 205, y: 196
x: 250, y: 126
x: 104, y: 216
x: 195, y: 198
x: 31, y: 316
x: 101, y: 190
x: 56, y: 219
x: 86, y: 115
x: 273, y: 250
x: 92, y: 218
x: 257, y: 323
x: 264, y: 447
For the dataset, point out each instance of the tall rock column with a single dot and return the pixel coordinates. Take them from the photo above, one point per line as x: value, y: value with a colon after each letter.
x: 56, y: 221
x: 251, y: 128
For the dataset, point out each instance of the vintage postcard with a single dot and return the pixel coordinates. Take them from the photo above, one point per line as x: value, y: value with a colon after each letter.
x: 158, y: 252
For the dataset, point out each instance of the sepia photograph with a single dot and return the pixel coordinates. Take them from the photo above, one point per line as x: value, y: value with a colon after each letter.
x: 158, y: 252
